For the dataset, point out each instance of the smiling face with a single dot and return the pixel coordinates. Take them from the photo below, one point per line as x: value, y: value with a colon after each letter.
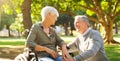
x: 80, y: 25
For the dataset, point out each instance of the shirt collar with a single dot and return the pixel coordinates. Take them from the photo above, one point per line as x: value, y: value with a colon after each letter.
x: 86, y: 31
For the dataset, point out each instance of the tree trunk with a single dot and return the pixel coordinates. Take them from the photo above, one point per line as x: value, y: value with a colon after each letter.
x: 116, y: 28
x: 26, y: 10
x: 109, y: 34
x: 8, y: 28
x: 66, y: 30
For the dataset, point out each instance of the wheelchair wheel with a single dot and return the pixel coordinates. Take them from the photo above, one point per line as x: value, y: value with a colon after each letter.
x: 33, y: 59
x: 20, y: 57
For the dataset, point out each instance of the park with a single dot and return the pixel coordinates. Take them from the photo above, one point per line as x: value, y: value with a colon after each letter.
x: 17, y: 17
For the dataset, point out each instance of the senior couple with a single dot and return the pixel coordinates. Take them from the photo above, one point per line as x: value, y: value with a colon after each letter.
x: 44, y: 40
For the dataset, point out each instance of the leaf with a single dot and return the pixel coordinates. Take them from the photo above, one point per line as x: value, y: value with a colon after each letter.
x: 90, y: 13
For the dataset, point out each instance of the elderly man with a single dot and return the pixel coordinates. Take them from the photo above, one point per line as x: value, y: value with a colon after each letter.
x: 89, y: 43
x: 43, y: 38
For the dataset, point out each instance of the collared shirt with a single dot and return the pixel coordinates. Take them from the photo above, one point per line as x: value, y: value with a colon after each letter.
x: 86, y: 31
x: 90, y: 46
x: 38, y: 37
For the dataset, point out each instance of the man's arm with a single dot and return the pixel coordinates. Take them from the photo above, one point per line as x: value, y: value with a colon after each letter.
x: 91, y: 51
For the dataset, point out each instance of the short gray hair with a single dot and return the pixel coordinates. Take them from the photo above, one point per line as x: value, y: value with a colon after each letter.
x: 83, y: 18
x: 48, y: 9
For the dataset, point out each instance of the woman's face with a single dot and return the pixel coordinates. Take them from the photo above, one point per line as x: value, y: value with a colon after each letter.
x: 52, y: 18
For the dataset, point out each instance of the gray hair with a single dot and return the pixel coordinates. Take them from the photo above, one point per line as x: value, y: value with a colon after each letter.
x: 48, y: 9
x: 83, y: 18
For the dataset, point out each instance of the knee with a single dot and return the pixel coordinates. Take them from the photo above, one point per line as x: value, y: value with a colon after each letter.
x: 59, y: 58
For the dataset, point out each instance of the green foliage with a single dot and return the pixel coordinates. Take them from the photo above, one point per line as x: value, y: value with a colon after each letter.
x: 104, y: 5
x: 7, y: 9
x: 90, y: 13
x: 17, y: 5
x: 6, y: 20
x: 65, y: 20
x: 17, y: 25
x: 118, y: 8
x: 35, y: 10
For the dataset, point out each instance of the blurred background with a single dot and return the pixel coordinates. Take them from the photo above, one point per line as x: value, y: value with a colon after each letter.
x: 17, y: 17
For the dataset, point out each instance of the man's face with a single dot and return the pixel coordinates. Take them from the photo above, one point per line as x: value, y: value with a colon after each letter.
x: 80, y: 25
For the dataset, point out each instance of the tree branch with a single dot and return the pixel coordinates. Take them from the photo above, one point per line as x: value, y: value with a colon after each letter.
x: 90, y: 8
x: 115, y: 14
x: 93, y: 19
x: 115, y: 6
x: 99, y: 10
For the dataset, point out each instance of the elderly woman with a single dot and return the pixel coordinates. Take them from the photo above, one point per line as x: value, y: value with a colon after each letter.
x: 89, y: 43
x: 43, y: 38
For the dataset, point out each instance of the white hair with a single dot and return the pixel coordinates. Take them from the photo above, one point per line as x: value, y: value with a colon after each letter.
x: 83, y: 18
x: 48, y: 9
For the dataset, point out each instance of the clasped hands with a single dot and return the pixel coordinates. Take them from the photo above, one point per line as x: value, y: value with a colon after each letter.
x: 66, y: 56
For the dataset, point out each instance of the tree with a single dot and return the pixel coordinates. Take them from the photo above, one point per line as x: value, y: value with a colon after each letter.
x: 106, y: 11
x: 7, y: 20
x: 117, y: 19
x: 17, y: 25
x: 66, y: 21
x: 7, y: 14
x: 26, y: 10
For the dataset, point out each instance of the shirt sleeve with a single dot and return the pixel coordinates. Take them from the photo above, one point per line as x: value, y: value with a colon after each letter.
x: 94, y: 46
x: 31, y: 37
x: 73, y: 45
x: 59, y: 41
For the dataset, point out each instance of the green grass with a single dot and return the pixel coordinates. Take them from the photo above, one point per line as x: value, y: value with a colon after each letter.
x: 11, y: 41
x: 112, y: 51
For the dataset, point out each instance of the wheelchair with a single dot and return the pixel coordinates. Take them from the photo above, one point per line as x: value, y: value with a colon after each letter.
x: 29, y: 54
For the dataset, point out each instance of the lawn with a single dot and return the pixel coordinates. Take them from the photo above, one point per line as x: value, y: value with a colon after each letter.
x: 11, y: 41
x: 112, y: 51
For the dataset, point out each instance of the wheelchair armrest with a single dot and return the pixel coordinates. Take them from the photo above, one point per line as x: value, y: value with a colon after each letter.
x: 31, y: 53
x: 73, y: 52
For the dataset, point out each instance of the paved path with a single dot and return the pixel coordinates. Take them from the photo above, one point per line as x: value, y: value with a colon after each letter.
x: 2, y: 59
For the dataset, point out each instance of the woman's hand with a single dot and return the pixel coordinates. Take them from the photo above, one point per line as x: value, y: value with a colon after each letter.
x: 53, y: 53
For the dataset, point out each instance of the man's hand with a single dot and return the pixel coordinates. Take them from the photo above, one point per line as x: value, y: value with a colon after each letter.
x: 65, y: 54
